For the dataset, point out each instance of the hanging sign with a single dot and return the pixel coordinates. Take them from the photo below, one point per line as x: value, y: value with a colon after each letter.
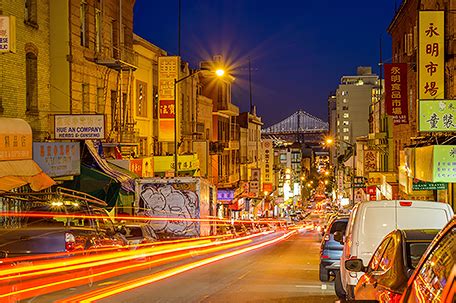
x: 396, y: 92
x: 431, y: 50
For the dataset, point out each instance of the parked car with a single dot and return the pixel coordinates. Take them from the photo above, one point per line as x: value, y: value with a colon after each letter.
x: 140, y: 234
x: 331, y: 250
x: 371, y: 221
x: 54, y: 233
x: 433, y: 279
x: 391, y: 265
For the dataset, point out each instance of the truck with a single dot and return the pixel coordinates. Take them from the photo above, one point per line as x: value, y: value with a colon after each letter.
x: 182, y: 200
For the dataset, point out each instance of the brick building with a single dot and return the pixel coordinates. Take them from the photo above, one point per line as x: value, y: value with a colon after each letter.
x: 24, y: 74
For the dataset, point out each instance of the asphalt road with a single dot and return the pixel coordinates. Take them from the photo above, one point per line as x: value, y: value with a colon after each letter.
x: 283, y: 272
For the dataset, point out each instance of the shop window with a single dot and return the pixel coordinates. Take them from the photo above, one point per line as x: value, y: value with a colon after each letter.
x: 84, y: 28
x: 85, y: 98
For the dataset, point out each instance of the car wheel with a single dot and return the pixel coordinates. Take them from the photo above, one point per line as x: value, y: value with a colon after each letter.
x: 324, y: 274
x: 340, y: 292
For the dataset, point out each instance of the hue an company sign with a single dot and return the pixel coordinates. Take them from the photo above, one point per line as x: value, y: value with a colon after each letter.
x: 431, y: 80
x: 79, y: 127
x: 168, y: 71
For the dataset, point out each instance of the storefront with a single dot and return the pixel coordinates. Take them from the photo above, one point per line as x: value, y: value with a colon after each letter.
x: 17, y: 167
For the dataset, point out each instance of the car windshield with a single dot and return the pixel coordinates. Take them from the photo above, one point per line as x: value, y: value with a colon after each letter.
x: 414, y: 252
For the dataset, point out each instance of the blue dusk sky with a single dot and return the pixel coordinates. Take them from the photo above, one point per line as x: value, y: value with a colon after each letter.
x: 298, y: 49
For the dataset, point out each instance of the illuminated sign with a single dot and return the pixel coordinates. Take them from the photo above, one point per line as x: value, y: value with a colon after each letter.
x: 431, y: 80
x: 437, y: 115
x: 268, y: 160
x: 15, y: 139
x: 396, y: 92
x: 370, y: 160
x: 225, y: 195
x: 168, y: 72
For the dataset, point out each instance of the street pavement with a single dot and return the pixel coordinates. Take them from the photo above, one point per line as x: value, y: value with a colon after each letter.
x: 284, y: 272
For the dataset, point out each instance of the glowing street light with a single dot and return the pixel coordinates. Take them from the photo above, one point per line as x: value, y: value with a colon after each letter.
x: 219, y: 73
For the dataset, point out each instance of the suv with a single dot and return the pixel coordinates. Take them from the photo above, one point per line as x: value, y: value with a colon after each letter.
x: 371, y: 221
x: 60, y: 222
x: 331, y: 250
x: 433, y: 279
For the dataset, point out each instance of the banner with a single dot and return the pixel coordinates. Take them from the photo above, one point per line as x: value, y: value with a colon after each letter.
x: 370, y: 160
x: 431, y: 53
x: 437, y: 115
x: 268, y: 160
x: 396, y: 92
x: 168, y: 72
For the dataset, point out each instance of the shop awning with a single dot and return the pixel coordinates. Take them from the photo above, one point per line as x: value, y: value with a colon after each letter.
x: 16, y: 165
x: 17, y: 173
x: 127, y: 182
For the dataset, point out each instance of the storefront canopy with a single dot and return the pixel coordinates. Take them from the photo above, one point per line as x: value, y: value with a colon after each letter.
x: 16, y: 165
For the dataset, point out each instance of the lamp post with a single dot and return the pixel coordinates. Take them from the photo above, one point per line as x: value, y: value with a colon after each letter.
x: 330, y: 141
x: 219, y: 73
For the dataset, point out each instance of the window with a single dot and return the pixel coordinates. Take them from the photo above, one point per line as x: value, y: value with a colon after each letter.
x: 31, y: 12
x: 85, y: 98
x: 387, y: 259
x: 141, y: 98
x: 346, y: 123
x: 377, y: 256
x: 98, y: 29
x: 344, y: 107
x: 31, y: 76
x: 346, y: 130
x: 346, y: 115
x: 346, y: 138
x: 83, y: 24
x: 433, y: 275
x: 344, y: 93
x: 100, y: 100
x: 345, y: 100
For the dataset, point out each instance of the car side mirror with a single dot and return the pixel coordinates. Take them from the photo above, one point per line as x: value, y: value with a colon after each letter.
x: 355, y: 265
x: 339, y: 237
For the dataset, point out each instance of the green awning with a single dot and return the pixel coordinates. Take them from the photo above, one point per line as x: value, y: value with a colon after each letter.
x: 97, y: 184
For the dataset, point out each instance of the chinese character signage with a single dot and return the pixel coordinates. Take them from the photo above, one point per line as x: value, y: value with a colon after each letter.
x: 79, y: 127
x: 268, y: 160
x: 168, y: 72
x: 164, y: 164
x: 359, y: 182
x: 396, y: 92
x: 444, y: 163
x: 437, y: 115
x: 254, y: 187
x: 370, y: 161
x: 7, y: 34
x: 58, y: 159
x: 225, y: 195
x: 141, y: 99
x: 431, y: 55
x: 15, y: 139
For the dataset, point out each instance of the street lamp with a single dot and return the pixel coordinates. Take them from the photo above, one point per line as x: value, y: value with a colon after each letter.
x: 330, y: 141
x: 219, y: 73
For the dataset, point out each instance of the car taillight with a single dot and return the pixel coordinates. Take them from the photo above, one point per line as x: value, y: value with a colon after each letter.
x: 405, y: 203
x: 327, y: 238
x: 324, y: 257
x: 70, y: 241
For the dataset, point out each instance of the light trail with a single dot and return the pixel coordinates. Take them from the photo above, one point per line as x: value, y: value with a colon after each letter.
x: 129, y: 285
x: 109, y: 273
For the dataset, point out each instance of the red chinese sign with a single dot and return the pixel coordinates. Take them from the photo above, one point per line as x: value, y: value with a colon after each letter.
x: 166, y: 109
x: 396, y: 92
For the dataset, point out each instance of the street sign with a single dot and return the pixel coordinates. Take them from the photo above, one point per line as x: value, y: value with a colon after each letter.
x: 359, y: 182
x: 421, y: 185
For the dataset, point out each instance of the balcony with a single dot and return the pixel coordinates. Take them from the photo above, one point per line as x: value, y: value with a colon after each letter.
x: 117, y: 58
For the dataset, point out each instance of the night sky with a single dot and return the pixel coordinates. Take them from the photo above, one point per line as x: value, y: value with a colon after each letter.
x: 298, y: 51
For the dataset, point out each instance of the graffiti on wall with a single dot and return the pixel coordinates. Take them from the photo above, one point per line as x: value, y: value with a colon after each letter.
x: 171, y: 201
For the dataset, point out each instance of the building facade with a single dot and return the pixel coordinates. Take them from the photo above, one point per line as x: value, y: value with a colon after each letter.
x: 24, y: 71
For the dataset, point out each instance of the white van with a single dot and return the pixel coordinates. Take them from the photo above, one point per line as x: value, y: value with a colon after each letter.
x: 371, y: 221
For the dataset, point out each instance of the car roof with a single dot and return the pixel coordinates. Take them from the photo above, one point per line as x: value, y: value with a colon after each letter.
x: 419, y: 234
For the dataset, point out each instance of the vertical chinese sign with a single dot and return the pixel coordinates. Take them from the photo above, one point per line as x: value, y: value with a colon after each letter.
x: 370, y: 161
x: 268, y: 160
x: 396, y: 92
x: 431, y: 55
x: 168, y: 68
